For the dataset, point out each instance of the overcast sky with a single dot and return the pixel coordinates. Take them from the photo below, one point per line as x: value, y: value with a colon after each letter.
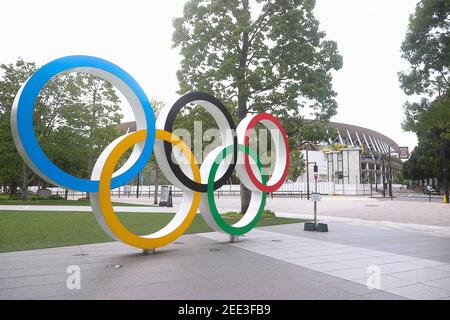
x: 137, y: 35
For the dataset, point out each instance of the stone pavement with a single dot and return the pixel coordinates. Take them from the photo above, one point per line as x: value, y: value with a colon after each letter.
x: 364, y: 208
x: 367, y: 209
x: 278, y: 262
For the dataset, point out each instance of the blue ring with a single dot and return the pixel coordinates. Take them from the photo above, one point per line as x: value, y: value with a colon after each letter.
x: 26, y: 130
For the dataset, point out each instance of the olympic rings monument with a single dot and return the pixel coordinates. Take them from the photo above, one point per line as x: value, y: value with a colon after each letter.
x: 197, y: 184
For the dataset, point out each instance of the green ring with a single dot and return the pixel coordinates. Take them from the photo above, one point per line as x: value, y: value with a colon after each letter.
x: 235, y: 231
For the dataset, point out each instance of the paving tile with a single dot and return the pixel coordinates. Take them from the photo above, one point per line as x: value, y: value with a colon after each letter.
x: 327, y: 266
x: 420, y: 292
x: 345, y: 257
x: 301, y: 266
x: 396, y: 267
x: 349, y: 274
x: 50, y: 290
x: 379, y: 296
x: 444, y: 267
x: 440, y: 283
x: 351, y: 286
x: 305, y: 261
x: 428, y: 263
x: 422, y: 275
x: 387, y: 282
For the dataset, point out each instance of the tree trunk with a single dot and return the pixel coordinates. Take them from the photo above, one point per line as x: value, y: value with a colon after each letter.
x: 13, y: 188
x: 90, y: 169
x: 243, y: 97
x: 66, y: 193
x: 25, y: 181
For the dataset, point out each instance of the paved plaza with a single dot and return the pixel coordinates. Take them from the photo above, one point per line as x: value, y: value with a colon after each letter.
x: 410, y: 254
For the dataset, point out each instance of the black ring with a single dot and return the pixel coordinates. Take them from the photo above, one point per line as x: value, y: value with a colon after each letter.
x: 180, y: 103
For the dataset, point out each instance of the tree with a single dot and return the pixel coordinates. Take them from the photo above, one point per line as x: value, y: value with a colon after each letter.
x: 431, y: 123
x: 13, y: 171
x: 427, y: 48
x: 297, y: 165
x: 273, y: 59
x: 75, y: 118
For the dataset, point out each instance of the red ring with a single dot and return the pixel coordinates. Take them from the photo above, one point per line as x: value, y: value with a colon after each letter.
x: 251, y: 125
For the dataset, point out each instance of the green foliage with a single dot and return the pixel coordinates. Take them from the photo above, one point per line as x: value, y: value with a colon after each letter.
x: 267, y: 214
x: 431, y: 123
x: 427, y: 48
x: 259, y: 56
x: 274, y: 59
x: 297, y: 164
x: 338, y: 146
x: 75, y: 118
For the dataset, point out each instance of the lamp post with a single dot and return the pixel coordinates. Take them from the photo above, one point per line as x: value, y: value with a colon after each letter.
x: 307, y: 148
x: 137, y: 185
x: 389, y: 173
x: 307, y: 174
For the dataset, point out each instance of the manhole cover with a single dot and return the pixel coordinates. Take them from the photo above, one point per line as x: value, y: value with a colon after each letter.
x: 215, y: 250
x: 277, y: 241
x: 178, y: 242
x: 80, y: 254
x: 114, y: 266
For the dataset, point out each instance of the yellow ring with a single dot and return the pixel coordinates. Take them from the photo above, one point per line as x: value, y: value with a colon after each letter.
x: 111, y: 219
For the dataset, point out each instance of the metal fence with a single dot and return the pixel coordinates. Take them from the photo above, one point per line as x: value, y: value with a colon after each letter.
x: 288, y: 189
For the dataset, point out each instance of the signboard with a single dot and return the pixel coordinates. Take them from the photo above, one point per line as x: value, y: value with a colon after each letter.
x: 316, y: 197
x: 164, y: 193
x: 403, y: 152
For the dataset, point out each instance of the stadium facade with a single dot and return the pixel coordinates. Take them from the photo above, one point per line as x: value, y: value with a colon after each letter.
x: 364, y: 156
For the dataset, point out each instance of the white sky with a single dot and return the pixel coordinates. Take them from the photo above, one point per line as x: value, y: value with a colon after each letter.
x: 137, y: 35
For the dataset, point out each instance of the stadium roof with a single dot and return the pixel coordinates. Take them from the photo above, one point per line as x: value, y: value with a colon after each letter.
x: 354, y: 136
x: 348, y: 134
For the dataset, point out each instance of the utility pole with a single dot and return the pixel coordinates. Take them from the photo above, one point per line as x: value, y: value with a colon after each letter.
x: 384, y: 177
x: 390, y: 174
x: 445, y: 169
x: 307, y: 173
x: 315, y: 191
x: 371, y: 181
x: 137, y: 186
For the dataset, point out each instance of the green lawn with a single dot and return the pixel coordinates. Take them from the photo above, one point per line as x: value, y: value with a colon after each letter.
x: 26, y: 230
x: 48, y: 202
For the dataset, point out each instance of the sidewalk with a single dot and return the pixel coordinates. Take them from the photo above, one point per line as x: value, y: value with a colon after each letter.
x: 278, y: 262
x: 367, y: 209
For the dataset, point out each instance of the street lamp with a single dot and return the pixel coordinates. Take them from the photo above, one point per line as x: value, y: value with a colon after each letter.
x: 307, y: 147
x: 390, y: 172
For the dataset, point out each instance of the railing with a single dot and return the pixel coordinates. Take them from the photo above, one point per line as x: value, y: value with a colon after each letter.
x: 288, y: 189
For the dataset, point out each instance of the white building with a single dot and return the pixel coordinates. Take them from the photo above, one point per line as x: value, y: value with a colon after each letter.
x: 363, y: 159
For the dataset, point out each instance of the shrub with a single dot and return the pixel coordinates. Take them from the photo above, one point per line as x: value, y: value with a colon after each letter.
x: 267, y: 214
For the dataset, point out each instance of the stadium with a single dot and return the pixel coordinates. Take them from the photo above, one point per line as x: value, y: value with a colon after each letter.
x: 353, y: 161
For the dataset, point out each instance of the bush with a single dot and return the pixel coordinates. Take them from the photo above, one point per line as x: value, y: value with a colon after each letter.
x: 267, y: 214
x: 31, y: 197
x: 55, y: 197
